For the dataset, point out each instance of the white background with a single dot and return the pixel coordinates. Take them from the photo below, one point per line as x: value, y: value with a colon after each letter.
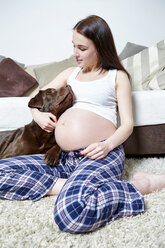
x: 39, y: 31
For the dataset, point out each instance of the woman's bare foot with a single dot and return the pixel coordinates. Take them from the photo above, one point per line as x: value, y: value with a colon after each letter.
x: 55, y: 190
x: 147, y: 183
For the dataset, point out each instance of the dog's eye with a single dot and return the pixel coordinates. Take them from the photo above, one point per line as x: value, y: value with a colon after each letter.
x: 50, y: 91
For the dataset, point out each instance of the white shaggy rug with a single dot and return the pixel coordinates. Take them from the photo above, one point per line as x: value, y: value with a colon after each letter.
x: 30, y: 225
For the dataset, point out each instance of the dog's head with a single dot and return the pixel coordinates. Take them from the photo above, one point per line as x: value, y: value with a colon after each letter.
x: 54, y: 101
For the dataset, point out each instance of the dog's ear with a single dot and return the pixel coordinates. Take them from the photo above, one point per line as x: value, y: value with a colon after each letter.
x: 37, y: 101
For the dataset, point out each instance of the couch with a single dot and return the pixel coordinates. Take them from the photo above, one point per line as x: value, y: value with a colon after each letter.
x: 146, y: 66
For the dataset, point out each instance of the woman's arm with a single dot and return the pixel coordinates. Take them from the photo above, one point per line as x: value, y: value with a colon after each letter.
x: 47, y: 121
x: 99, y: 150
x: 123, y: 90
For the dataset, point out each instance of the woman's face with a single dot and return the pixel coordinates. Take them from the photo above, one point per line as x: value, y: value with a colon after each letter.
x: 84, y: 51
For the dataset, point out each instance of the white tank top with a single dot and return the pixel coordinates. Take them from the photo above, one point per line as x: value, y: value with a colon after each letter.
x: 98, y: 96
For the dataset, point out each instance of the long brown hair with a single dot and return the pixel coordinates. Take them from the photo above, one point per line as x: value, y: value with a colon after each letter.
x: 96, y: 29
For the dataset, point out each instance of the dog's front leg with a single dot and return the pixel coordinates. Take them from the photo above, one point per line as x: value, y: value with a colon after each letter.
x: 52, y: 156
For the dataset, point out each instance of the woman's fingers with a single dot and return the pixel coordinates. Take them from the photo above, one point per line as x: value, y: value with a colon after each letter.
x: 92, y: 151
x: 89, y: 149
x: 47, y: 121
x: 97, y: 155
x: 96, y: 150
x: 52, y: 117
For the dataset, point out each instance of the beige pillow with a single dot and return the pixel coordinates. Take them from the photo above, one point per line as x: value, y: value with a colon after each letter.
x: 47, y: 73
x: 130, y: 49
x: 146, y: 68
x: 158, y: 81
x: 30, y: 69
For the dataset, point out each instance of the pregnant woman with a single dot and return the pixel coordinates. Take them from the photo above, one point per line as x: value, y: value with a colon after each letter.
x: 88, y: 178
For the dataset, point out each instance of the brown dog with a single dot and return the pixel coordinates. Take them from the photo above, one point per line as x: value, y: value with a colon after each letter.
x: 31, y: 139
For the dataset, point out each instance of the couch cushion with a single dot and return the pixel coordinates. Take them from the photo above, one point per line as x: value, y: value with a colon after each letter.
x: 47, y: 73
x: 147, y: 68
x: 18, y: 63
x: 14, y: 81
x: 131, y: 49
x: 2, y: 57
x: 30, y: 69
x: 148, y: 107
x: 158, y: 81
x: 15, y: 112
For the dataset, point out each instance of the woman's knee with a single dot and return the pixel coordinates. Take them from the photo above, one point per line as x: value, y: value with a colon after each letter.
x: 79, y: 211
x: 75, y: 210
x: 68, y: 213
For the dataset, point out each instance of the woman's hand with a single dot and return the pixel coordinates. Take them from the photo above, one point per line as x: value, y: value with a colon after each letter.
x: 96, y: 150
x: 47, y: 121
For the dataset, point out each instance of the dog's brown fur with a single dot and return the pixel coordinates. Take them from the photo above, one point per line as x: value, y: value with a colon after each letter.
x: 31, y: 139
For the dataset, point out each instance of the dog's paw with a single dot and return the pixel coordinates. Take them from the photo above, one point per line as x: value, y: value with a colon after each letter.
x: 51, y: 161
x: 51, y: 157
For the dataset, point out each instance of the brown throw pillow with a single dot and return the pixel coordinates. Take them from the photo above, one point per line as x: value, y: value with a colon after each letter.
x: 14, y: 81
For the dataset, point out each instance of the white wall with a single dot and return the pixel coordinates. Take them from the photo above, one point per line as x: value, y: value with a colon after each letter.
x: 39, y: 31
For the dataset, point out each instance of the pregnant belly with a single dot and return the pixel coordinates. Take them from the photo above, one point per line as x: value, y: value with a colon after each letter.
x: 77, y: 128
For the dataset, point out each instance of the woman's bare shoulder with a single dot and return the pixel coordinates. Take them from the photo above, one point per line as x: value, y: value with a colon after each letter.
x: 121, y: 74
x: 67, y: 72
x: 122, y: 78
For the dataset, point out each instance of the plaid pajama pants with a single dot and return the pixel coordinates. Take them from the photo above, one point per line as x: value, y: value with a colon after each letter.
x: 93, y: 196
